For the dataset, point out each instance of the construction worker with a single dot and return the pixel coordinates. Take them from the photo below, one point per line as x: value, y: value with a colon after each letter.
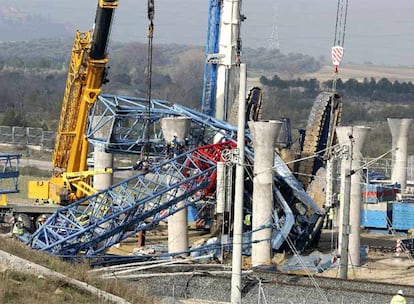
x: 398, y: 298
x: 329, y: 219
x: 18, y: 229
x: 247, y: 222
x: 41, y: 220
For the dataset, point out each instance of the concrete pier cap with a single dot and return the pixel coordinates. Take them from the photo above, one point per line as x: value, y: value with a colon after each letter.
x: 399, y: 128
x: 263, y: 130
x: 175, y: 126
x: 355, y: 133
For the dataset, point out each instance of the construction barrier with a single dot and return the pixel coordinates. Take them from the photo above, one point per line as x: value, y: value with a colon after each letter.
x: 398, y: 248
x: 27, y: 136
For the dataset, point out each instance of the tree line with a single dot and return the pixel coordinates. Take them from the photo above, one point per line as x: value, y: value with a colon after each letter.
x: 369, y: 89
x: 368, y: 103
x: 33, y: 75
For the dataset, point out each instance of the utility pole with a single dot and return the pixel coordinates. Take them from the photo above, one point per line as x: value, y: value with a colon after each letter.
x: 343, y: 273
x: 239, y: 193
x: 346, y: 201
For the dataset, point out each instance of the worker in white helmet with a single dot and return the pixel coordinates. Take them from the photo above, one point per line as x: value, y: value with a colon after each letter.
x: 398, y: 298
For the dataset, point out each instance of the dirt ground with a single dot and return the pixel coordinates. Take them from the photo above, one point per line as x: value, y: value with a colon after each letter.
x: 379, y: 265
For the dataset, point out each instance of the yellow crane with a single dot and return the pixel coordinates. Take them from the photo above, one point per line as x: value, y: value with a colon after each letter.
x: 86, y: 75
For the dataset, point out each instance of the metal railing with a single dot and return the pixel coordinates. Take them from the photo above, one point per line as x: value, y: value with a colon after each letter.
x: 27, y: 136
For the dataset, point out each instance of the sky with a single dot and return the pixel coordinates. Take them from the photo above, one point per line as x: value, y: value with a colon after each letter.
x: 378, y: 31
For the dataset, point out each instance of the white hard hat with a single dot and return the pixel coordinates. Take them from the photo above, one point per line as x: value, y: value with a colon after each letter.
x: 400, y: 292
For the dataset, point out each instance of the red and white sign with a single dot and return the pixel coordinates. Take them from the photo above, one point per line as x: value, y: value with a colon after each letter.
x: 337, y: 53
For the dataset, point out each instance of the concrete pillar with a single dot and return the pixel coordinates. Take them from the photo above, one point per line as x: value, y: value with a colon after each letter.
x: 354, y: 138
x: 343, y: 140
x: 399, y: 131
x: 178, y: 222
x: 102, y: 159
x: 359, y: 134
x: 264, y: 135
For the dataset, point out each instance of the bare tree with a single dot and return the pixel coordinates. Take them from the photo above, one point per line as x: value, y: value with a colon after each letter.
x: 187, y: 78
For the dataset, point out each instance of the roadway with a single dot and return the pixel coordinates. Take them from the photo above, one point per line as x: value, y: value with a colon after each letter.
x: 47, y: 165
x: 40, y: 164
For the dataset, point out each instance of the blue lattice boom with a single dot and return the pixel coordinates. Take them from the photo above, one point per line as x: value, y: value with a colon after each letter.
x: 92, y: 225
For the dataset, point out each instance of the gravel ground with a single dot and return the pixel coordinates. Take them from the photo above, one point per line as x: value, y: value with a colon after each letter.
x: 381, y: 267
x: 218, y: 289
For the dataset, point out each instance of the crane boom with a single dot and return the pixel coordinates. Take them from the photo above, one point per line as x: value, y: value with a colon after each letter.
x: 210, y: 66
x: 229, y: 55
x: 86, y: 75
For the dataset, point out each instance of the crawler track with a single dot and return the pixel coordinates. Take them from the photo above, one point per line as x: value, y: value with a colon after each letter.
x: 317, y: 134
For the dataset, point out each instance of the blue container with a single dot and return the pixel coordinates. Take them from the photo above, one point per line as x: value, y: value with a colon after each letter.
x: 402, y: 215
x: 374, y: 218
x: 374, y: 193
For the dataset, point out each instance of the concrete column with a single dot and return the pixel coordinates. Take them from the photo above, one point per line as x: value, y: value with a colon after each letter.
x: 178, y: 222
x: 343, y: 140
x: 264, y: 135
x: 354, y: 138
x: 102, y: 160
x: 359, y: 134
x: 399, y: 131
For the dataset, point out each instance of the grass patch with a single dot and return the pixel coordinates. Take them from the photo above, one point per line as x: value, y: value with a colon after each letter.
x: 34, y: 171
x: 29, y: 289
x: 16, y: 287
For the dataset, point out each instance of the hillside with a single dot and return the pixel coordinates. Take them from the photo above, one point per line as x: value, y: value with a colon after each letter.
x: 26, y: 281
x: 18, y: 25
x: 378, y: 31
x: 361, y: 71
x: 346, y: 71
x: 33, y: 74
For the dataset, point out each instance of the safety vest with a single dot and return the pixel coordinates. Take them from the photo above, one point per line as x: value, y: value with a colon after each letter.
x: 18, y: 228
x: 247, y: 220
x: 398, y: 299
x: 331, y: 214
